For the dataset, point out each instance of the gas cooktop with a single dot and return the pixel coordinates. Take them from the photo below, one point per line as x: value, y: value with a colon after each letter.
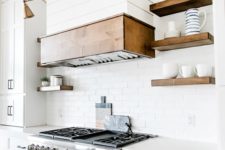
x: 70, y: 133
x: 96, y: 137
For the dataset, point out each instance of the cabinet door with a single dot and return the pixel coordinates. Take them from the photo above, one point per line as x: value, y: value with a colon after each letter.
x: 7, y: 45
x: 17, y: 110
x: 19, y: 47
x: 6, y: 110
x: 11, y: 112
x: 7, y: 65
x: 19, y: 60
x: 4, y: 142
x: 18, y: 144
x: 7, y: 14
x: 3, y: 111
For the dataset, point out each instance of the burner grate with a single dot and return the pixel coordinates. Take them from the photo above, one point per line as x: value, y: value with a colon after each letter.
x: 70, y: 133
x: 121, y: 140
x: 97, y: 137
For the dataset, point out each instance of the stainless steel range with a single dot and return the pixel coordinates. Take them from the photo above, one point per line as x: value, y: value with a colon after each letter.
x: 85, y: 139
x: 118, y: 134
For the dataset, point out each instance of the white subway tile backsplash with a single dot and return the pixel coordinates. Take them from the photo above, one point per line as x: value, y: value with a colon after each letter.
x: 180, y: 112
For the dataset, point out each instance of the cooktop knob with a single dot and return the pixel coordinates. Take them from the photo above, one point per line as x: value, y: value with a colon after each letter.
x: 31, y: 147
x: 47, y: 148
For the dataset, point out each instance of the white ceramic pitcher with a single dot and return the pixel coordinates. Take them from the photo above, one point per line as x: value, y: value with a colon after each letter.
x: 193, y: 21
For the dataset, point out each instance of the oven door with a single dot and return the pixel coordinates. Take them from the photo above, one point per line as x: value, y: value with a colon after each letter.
x: 38, y: 143
x: 46, y: 147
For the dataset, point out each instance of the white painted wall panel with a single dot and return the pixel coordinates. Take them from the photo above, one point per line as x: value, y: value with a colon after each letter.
x: 219, y: 23
x: 62, y: 15
x: 80, y: 20
x: 140, y: 11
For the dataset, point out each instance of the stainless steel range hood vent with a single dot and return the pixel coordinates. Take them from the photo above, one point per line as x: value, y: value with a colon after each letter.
x: 113, y: 39
x: 101, y: 59
x: 94, y: 60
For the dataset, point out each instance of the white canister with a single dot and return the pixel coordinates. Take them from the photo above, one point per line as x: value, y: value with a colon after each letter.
x: 56, y: 80
x: 172, y: 30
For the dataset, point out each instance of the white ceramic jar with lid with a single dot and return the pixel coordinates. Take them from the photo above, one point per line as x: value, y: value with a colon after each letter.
x: 56, y: 80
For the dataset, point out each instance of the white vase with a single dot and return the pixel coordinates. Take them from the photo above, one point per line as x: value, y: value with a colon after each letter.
x: 172, y: 30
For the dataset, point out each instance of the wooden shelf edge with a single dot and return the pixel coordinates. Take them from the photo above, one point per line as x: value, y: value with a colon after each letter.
x: 169, y: 7
x: 183, y: 42
x: 55, y: 88
x: 183, y: 81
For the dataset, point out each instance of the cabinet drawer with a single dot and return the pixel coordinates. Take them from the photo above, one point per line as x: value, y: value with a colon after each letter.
x: 18, y: 144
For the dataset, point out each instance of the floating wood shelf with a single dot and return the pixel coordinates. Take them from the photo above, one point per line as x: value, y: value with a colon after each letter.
x: 183, y: 42
x: 169, y: 7
x: 55, y: 88
x: 183, y: 81
x: 45, y: 66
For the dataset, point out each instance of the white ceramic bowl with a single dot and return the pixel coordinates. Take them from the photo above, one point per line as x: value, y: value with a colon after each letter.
x: 170, y: 70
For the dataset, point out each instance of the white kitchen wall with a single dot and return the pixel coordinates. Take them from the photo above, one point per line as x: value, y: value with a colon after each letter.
x: 64, y: 14
x: 185, y: 112
x: 219, y: 23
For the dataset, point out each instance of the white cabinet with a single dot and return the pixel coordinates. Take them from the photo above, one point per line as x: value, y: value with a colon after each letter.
x: 11, y: 46
x: 6, y: 111
x: 11, y: 112
x: 7, y: 33
x: 18, y: 144
x: 4, y: 142
x: 9, y: 141
x: 20, y: 103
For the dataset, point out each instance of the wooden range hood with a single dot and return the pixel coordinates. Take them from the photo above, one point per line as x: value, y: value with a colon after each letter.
x: 120, y: 37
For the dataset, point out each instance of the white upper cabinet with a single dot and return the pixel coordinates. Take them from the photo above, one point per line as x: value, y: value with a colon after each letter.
x: 7, y: 14
x: 19, y: 43
x: 20, y: 103
x: 11, y: 30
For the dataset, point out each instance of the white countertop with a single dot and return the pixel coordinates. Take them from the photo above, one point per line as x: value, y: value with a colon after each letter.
x: 160, y: 143
x: 17, y: 131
